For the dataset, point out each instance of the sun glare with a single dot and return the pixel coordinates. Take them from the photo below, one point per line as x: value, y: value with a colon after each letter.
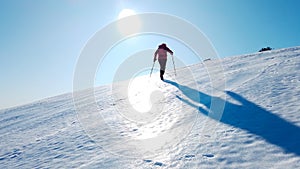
x: 139, y: 93
x: 129, y: 25
x: 125, y: 13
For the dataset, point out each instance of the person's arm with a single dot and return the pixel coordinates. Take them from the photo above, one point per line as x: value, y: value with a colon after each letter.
x: 169, y: 50
x: 155, y: 54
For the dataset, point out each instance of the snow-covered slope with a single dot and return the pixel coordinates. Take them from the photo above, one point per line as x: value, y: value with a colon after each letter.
x: 146, y: 123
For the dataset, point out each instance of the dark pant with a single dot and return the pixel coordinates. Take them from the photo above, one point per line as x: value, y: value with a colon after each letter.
x: 162, y: 63
x: 162, y: 72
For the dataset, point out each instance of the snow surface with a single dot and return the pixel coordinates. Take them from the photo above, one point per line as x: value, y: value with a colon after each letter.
x: 146, y: 123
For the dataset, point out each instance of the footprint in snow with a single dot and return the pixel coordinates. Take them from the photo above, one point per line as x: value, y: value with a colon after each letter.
x: 208, y: 155
x: 189, y: 156
x: 158, y: 163
x: 229, y: 130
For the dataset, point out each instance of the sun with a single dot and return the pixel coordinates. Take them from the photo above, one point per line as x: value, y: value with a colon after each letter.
x: 128, y: 25
x: 126, y: 12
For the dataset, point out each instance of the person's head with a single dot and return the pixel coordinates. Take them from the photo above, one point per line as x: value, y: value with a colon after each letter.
x: 163, y: 45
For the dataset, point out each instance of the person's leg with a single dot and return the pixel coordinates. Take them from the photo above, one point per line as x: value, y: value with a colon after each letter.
x: 162, y: 63
x: 162, y: 74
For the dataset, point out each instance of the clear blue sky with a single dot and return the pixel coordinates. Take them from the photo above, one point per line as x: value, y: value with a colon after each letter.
x: 41, y: 40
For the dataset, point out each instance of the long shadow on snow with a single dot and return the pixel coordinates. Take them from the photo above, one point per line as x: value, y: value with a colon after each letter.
x: 248, y: 116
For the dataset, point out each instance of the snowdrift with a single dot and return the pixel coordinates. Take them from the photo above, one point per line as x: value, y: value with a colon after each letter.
x: 147, y: 123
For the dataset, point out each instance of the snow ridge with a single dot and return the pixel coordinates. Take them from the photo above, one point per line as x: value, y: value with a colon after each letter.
x: 259, y: 126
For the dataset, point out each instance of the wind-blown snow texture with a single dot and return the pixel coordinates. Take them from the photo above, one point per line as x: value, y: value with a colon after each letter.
x: 260, y: 126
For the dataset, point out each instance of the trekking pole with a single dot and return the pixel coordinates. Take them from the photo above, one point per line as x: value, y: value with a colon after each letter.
x: 174, y: 65
x: 152, y: 68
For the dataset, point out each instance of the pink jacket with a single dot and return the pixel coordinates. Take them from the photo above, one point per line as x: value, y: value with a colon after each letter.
x: 162, y: 52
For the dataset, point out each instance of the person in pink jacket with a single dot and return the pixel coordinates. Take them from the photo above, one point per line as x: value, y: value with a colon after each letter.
x: 161, y: 52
